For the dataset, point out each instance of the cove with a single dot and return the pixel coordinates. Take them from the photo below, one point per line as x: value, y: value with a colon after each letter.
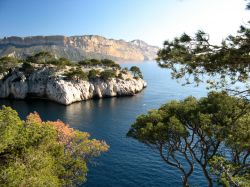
x: 128, y: 162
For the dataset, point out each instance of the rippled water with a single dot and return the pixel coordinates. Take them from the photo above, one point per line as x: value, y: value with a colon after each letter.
x: 127, y: 163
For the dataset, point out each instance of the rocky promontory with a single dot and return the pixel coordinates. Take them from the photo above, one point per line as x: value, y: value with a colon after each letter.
x: 65, y: 84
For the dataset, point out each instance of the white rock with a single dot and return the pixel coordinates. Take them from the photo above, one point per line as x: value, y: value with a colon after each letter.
x: 42, y: 85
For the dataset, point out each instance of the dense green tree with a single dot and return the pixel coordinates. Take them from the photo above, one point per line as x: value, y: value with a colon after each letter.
x: 199, y: 131
x: 37, y: 153
x: 136, y: 71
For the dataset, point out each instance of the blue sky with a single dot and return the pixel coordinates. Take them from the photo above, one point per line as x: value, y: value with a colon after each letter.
x: 150, y: 20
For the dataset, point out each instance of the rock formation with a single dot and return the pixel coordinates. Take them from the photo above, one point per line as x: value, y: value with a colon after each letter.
x: 76, y: 48
x: 44, y: 82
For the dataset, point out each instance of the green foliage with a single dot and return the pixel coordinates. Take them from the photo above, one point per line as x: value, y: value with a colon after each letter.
x: 212, y: 132
x: 47, y: 58
x: 108, y: 74
x: 77, y: 74
x: 61, y: 62
x: 7, y: 63
x: 103, y: 62
x: 136, y: 71
x: 230, y: 174
x: 224, y: 65
x: 110, y: 63
x: 93, y: 74
x: 41, y: 58
x: 190, y: 58
x: 36, y: 153
x: 198, y: 130
x: 90, y: 62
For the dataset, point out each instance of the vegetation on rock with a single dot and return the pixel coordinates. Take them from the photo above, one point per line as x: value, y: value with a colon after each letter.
x: 108, y: 74
x: 8, y: 63
x: 104, y: 69
x: 96, y: 62
x: 93, y: 74
x: 136, y: 71
x: 77, y: 74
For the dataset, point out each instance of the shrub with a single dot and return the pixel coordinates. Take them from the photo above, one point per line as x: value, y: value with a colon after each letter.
x: 7, y: 63
x: 61, y: 62
x: 93, y: 74
x: 40, y: 58
x: 108, y: 74
x: 37, y: 153
x: 76, y: 74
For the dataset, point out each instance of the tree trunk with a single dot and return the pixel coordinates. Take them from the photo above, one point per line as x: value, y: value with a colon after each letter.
x: 209, y: 180
x: 185, y: 181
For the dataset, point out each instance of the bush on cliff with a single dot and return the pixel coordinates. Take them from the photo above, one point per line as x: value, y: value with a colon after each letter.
x: 96, y: 62
x: 43, y: 57
x: 76, y: 74
x: 110, y: 63
x: 93, y: 74
x: 89, y: 62
x: 37, y: 153
x: 62, y: 62
x: 108, y: 74
x: 8, y: 63
x: 136, y: 71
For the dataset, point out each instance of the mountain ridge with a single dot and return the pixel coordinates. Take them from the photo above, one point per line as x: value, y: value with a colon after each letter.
x: 78, y: 47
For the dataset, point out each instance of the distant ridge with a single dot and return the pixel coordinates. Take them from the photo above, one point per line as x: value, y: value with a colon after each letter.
x: 77, y: 48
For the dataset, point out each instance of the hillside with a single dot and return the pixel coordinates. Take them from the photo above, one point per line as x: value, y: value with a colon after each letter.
x: 77, y: 48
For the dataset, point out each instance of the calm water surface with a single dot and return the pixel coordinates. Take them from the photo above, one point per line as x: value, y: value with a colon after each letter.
x: 127, y: 163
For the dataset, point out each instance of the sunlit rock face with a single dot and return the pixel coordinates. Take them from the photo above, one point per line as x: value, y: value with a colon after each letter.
x: 43, y: 84
x: 78, y: 47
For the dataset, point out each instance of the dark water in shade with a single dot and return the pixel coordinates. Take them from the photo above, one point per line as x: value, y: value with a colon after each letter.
x: 127, y: 163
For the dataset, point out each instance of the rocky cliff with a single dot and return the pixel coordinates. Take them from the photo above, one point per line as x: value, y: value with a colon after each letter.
x: 46, y: 82
x: 78, y: 47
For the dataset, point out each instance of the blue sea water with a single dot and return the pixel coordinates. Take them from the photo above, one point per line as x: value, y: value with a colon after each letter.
x: 128, y: 163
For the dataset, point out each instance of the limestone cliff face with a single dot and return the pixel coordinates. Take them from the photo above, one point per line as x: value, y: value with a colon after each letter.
x: 42, y: 83
x: 78, y: 47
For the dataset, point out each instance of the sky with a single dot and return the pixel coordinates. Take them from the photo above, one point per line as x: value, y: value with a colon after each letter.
x: 150, y: 20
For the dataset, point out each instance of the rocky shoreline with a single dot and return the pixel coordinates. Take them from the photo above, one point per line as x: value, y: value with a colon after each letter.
x: 44, y: 83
